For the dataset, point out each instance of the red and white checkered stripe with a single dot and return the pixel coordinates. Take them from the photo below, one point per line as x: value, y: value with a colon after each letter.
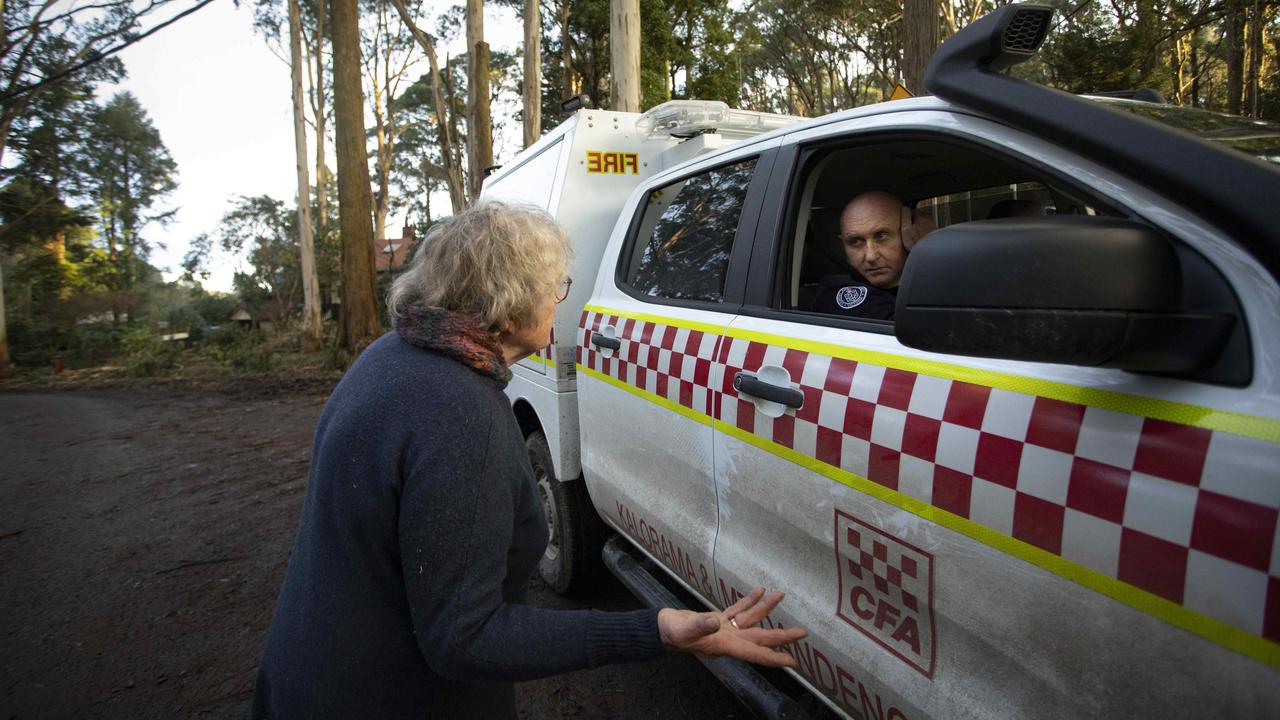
x: 670, y: 362
x: 1185, y: 513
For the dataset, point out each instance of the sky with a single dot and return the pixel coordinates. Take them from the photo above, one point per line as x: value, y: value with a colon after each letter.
x: 221, y: 102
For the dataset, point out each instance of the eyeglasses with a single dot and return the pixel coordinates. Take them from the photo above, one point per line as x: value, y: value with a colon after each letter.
x: 562, y: 289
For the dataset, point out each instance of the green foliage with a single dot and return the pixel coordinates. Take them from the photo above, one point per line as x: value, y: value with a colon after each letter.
x: 267, y: 229
x: 130, y: 172
x: 251, y: 359
x: 147, y: 355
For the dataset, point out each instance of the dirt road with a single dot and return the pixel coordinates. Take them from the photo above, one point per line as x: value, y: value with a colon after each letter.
x: 144, y: 535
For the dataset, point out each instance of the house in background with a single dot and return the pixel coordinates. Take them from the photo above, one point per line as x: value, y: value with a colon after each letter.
x: 249, y: 318
x: 391, y: 254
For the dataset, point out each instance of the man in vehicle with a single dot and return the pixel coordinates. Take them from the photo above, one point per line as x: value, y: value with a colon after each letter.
x: 877, y: 232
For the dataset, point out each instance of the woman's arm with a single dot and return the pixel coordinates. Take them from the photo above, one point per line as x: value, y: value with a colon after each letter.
x: 456, y: 518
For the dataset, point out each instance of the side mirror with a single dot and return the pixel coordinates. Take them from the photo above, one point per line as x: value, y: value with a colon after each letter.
x: 1078, y: 290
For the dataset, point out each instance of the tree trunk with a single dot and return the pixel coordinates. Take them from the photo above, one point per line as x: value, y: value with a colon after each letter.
x: 1252, y: 84
x: 310, y: 340
x: 1233, y: 32
x: 624, y: 55
x: 920, y: 36
x: 359, y: 308
x: 532, y: 71
x: 4, y: 333
x: 382, y: 171
x: 566, y: 56
x: 319, y: 109
x: 1195, y: 70
x: 452, y: 171
x: 479, y: 122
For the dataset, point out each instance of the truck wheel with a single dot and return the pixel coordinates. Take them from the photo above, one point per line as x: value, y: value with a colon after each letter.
x: 572, y: 560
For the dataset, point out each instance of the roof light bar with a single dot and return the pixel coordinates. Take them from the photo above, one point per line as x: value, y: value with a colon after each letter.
x: 685, y: 118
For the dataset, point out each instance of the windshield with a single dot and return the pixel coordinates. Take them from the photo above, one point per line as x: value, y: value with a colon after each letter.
x: 1256, y: 137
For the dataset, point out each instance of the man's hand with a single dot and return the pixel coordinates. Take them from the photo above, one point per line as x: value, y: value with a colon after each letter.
x: 732, y: 633
x: 913, y: 226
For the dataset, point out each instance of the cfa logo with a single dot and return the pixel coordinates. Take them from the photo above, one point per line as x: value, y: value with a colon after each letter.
x: 615, y: 163
x: 886, y: 591
x: 851, y: 296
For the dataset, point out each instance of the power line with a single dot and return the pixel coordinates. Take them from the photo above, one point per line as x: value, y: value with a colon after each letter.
x: 99, y: 57
x: 1067, y: 18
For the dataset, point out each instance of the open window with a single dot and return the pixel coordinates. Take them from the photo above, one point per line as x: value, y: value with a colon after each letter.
x: 942, y: 181
x: 992, y: 260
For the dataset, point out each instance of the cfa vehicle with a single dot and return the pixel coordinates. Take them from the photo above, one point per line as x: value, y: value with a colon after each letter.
x: 1049, y: 488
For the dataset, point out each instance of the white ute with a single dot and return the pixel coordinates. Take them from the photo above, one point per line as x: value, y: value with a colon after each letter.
x: 1048, y: 487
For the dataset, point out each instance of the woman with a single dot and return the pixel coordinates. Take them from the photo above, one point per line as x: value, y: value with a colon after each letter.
x: 422, y: 525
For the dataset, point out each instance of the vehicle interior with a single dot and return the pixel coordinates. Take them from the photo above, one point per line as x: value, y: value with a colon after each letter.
x: 948, y: 183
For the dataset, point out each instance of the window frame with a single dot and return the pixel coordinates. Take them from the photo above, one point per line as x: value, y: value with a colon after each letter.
x: 778, y: 228
x: 740, y: 254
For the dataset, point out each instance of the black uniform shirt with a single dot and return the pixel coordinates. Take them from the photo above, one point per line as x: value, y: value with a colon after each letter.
x: 854, y: 297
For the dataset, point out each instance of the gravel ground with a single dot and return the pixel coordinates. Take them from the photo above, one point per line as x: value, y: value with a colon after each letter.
x: 144, y: 537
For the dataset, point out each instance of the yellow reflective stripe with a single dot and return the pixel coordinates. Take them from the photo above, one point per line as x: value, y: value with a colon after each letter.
x: 1217, y: 631
x: 1260, y: 428
x: 659, y: 319
x: 1253, y: 426
x: 539, y: 359
x: 694, y: 415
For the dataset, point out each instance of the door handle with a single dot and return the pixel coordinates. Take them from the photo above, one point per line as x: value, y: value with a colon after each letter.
x: 605, y: 342
x: 747, y: 383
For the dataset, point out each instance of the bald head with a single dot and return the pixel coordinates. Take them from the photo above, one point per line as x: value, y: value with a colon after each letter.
x: 871, y: 233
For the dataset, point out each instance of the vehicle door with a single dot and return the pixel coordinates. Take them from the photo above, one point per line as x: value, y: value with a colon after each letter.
x: 672, y: 280
x: 969, y: 537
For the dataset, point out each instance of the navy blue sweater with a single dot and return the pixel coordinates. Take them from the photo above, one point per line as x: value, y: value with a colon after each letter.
x: 419, y: 533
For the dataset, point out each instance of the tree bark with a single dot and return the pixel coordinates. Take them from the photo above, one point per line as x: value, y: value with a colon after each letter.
x: 4, y: 333
x: 355, y: 213
x: 479, y: 121
x: 624, y: 55
x: 920, y: 37
x: 532, y: 71
x: 1195, y: 70
x: 1233, y: 31
x: 566, y: 55
x: 319, y: 109
x: 1253, y: 81
x: 311, y: 329
x: 453, y: 173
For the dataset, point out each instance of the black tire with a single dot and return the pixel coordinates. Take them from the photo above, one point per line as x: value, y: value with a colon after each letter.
x: 571, y: 562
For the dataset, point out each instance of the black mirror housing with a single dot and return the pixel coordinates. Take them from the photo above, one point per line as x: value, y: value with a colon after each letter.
x: 1078, y: 290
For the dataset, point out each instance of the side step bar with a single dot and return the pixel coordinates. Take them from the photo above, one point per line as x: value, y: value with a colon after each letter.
x: 751, y: 688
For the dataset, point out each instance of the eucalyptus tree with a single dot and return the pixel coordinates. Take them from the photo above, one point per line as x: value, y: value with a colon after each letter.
x: 452, y: 169
x: 359, y: 319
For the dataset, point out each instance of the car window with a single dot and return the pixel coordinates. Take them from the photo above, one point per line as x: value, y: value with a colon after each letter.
x: 835, y: 269
x: 1021, y: 199
x: 682, y: 246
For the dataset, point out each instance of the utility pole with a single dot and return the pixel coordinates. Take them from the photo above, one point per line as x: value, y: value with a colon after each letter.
x: 624, y: 54
x: 532, y: 71
x: 920, y: 37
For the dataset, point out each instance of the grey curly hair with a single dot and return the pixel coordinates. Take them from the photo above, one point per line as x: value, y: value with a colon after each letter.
x: 497, y: 261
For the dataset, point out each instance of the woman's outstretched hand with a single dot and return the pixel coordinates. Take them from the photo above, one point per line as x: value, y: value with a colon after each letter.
x: 732, y: 632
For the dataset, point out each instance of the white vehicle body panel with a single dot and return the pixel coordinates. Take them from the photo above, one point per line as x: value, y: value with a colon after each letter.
x: 998, y: 643
x: 724, y: 503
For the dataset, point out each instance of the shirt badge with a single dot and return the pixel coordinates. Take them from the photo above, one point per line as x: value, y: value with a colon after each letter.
x: 851, y: 296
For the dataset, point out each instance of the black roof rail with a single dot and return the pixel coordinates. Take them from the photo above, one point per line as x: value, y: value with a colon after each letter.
x: 1236, y: 192
x: 1150, y: 95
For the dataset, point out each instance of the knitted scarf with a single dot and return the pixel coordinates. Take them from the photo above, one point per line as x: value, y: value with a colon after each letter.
x: 455, y: 335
